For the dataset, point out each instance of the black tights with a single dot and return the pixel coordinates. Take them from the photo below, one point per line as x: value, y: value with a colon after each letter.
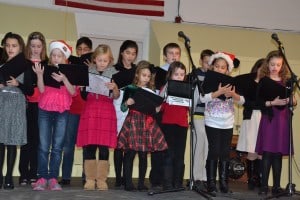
x: 11, y: 158
x: 90, y: 152
x: 275, y: 160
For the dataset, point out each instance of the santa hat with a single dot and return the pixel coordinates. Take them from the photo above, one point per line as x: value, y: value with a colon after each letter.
x: 229, y: 58
x: 61, y: 45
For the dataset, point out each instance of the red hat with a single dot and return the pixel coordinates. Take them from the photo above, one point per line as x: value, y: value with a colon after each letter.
x: 226, y: 56
x: 61, y: 45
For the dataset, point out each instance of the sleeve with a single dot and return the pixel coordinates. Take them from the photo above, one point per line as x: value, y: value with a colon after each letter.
x: 206, y: 98
x: 126, y: 95
x: 28, y: 86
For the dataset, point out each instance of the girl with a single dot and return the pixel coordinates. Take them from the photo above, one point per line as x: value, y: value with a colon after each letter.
x: 219, y: 120
x: 273, y: 134
x: 35, y: 51
x: 140, y: 132
x: 53, y: 105
x: 12, y: 107
x: 126, y: 67
x: 249, y: 127
x: 174, y: 126
x: 98, y: 123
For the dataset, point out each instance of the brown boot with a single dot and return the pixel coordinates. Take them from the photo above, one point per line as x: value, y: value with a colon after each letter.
x: 102, y: 173
x: 90, y: 168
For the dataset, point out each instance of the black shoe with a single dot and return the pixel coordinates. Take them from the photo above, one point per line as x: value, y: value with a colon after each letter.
x: 64, y: 182
x: 8, y: 186
x: 277, y: 190
x: 263, y: 191
x: 142, y: 188
x: 130, y: 188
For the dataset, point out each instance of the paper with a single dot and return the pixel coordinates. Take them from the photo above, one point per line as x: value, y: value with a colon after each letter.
x: 97, y: 84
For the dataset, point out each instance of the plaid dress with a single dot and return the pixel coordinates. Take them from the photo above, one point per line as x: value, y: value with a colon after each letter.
x: 140, y: 132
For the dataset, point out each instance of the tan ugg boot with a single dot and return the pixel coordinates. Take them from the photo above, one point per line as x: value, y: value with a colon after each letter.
x: 102, y: 173
x: 90, y: 167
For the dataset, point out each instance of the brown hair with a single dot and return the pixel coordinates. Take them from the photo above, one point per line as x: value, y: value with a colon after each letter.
x: 143, y: 64
x: 39, y: 36
x: 173, y: 66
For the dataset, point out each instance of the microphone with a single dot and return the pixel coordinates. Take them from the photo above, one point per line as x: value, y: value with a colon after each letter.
x: 275, y: 37
x: 182, y: 35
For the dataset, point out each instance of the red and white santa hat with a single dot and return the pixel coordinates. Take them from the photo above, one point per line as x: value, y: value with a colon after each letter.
x: 61, y: 45
x: 229, y: 58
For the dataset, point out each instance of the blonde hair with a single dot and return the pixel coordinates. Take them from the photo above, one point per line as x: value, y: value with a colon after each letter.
x: 103, y: 49
x: 143, y: 64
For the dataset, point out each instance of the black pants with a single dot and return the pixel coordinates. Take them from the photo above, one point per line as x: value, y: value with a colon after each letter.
x: 28, y: 152
x: 219, y: 142
x: 90, y: 152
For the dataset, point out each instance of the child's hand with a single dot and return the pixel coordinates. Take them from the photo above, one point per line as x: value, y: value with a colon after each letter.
x: 88, y: 63
x: 129, y: 101
x: 111, y: 85
x: 230, y: 93
x: 12, y: 82
x: 224, y: 89
x: 279, y: 102
x: 59, y: 77
x: 38, y: 69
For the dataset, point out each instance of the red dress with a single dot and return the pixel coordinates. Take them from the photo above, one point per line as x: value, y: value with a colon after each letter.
x: 98, y: 122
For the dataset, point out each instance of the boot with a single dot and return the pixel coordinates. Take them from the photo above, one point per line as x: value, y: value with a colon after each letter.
x: 276, y: 169
x: 118, y: 162
x: 128, y: 167
x: 258, y: 167
x: 90, y: 168
x: 223, y: 176
x: 250, y: 174
x: 266, y: 166
x: 168, y: 178
x: 178, y: 175
x: 211, y: 172
x: 102, y: 173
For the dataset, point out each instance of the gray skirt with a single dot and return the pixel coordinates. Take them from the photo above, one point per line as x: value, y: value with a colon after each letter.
x: 13, y: 126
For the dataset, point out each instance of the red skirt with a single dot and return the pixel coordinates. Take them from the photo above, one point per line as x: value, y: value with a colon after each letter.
x: 140, y: 132
x: 98, y: 122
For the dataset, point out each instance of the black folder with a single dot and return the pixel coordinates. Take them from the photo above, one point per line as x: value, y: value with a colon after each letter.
x: 146, y: 101
x: 269, y: 89
x: 76, y: 74
x: 245, y: 84
x: 14, y: 67
x: 179, y: 89
x: 212, y: 81
x: 80, y: 60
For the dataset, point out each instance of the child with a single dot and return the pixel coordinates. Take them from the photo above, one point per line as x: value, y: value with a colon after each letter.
x: 126, y: 67
x: 140, y: 132
x: 12, y: 107
x: 273, y: 133
x: 53, y: 105
x: 98, y: 124
x: 83, y: 46
x: 219, y: 120
x: 171, y: 53
x: 249, y: 127
x: 36, y: 52
x: 174, y: 125
x: 200, y: 144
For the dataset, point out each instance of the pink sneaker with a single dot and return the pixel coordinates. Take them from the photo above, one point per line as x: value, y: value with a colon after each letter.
x: 40, y: 185
x: 53, y: 184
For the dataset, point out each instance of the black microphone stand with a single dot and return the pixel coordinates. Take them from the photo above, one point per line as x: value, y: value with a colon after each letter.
x: 290, y: 187
x: 194, y: 79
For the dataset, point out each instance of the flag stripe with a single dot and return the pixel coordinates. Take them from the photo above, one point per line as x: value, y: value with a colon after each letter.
x: 134, y: 7
x: 141, y: 2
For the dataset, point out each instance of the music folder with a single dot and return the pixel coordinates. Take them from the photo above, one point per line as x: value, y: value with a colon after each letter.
x: 14, y: 67
x: 80, y: 60
x: 146, y: 101
x: 212, y: 81
x: 179, y: 93
x: 269, y: 89
x: 245, y: 84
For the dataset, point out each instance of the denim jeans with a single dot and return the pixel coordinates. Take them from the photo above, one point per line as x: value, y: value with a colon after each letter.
x: 52, y: 127
x: 69, y: 145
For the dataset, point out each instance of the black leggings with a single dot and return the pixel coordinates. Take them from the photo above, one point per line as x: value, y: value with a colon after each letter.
x: 90, y: 152
x: 11, y: 158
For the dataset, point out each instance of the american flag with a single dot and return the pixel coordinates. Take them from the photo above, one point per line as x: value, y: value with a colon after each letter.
x: 133, y: 7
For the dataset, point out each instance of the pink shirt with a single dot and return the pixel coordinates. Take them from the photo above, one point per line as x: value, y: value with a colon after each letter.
x: 55, y: 99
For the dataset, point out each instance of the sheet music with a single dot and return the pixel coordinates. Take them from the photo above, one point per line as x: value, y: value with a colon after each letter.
x: 179, y: 101
x: 97, y: 84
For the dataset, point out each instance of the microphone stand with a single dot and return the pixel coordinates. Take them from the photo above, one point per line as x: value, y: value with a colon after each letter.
x: 290, y: 187
x: 194, y: 78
